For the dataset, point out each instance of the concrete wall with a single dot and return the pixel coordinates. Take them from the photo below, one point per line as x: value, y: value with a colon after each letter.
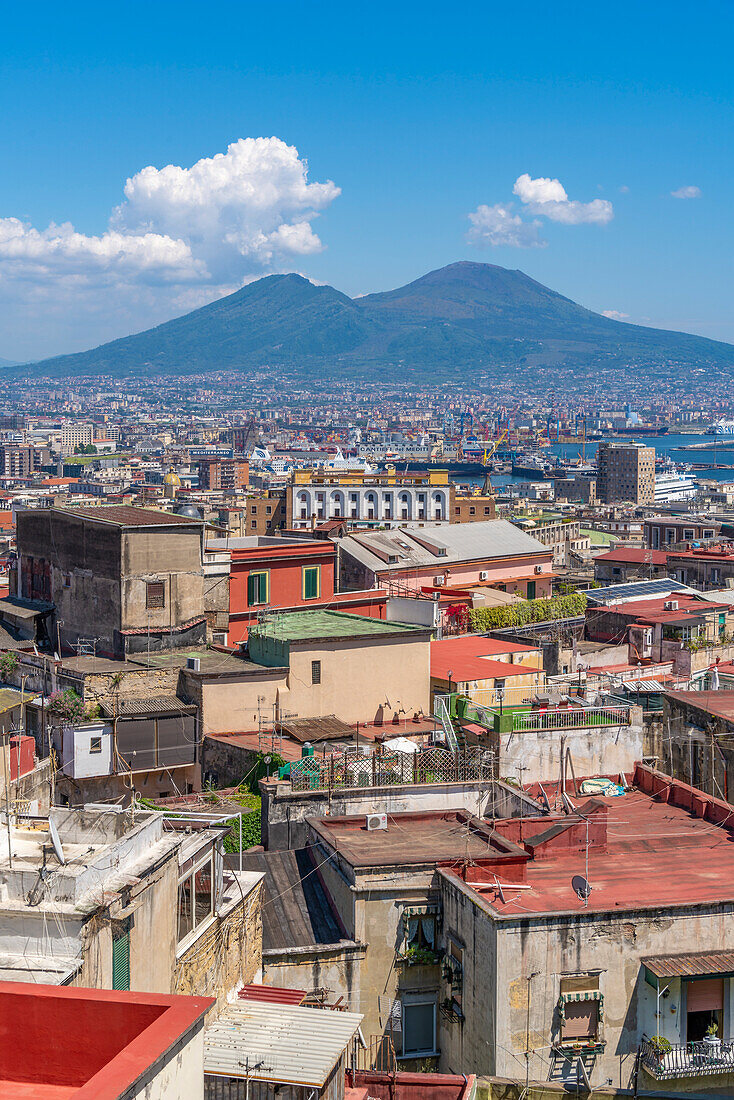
x: 599, y: 750
x: 334, y: 968
x: 181, y: 1073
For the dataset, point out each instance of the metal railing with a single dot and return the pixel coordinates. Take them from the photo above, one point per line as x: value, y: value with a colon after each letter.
x: 571, y: 718
x: 390, y: 769
x: 511, y: 696
x: 442, y: 712
x: 700, y: 1059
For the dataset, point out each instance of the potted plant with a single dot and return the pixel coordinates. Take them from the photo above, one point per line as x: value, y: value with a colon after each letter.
x: 660, y: 1046
x: 711, y: 1038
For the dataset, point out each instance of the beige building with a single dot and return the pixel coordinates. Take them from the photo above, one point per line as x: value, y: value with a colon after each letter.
x: 315, y: 663
x: 625, y: 472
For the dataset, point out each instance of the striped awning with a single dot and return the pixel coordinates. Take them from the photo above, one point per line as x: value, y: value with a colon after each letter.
x: 580, y: 995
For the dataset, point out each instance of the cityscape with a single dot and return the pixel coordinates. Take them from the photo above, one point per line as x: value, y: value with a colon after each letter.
x: 367, y: 605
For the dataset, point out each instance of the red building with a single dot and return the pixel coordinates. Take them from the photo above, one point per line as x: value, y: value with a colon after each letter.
x: 287, y: 574
x: 224, y: 473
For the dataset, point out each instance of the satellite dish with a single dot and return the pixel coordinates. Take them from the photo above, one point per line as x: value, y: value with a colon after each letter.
x: 581, y: 886
x: 56, y: 842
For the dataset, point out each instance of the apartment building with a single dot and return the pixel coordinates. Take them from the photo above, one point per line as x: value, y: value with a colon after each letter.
x: 229, y: 474
x: 382, y: 499
x: 76, y: 435
x: 625, y: 472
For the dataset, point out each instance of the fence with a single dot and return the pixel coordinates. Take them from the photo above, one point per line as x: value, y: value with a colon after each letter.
x: 700, y: 1059
x: 575, y: 718
x: 390, y: 769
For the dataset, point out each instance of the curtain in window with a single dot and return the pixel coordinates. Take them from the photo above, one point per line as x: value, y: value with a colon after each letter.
x: 412, y: 931
x: 429, y: 931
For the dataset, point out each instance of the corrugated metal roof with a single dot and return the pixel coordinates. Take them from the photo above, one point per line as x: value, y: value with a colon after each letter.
x: 643, y: 685
x: 283, y: 1044
x: 136, y: 708
x: 699, y: 964
x: 493, y: 538
x: 271, y: 994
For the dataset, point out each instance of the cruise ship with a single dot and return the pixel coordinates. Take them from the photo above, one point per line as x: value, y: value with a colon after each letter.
x: 673, y: 483
x: 724, y: 427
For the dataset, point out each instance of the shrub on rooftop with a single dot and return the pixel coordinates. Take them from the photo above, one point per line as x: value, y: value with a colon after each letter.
x: 528, y: 611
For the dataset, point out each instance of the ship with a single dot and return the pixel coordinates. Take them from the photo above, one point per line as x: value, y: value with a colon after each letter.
x: 534, y: 467
x: 724, y: 427
x: 673, y: 483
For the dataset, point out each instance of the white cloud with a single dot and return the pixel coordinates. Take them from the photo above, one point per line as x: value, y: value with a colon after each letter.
x: 548, y: 198
x: 624, y: 189
x: 691, y: 192
x: 180, y: 236
x: 615, y: 315
x: 497, y: 225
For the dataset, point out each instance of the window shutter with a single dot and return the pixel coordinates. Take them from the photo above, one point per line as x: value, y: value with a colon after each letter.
x: 705, y: 995
x: 121, y: 959
x: 251, y: 589
x: 580, y: 1020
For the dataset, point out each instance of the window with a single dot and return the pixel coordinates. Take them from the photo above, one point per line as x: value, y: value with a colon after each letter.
x: 420, y: 931
x: 472, y: 510
x: 196, y: 894
x: 315, y: 672
x: 253, y: 523
x: 95, y: 744
x: 312, y: 582
x: 67, y: 580
x: 419, y: 1028
x: 454, y: 974
x: 487, y: 510
x: 253, y: 510
x: 121, y: 956
x: 268, y: 510
x: 155, y: 595
x: 580, y: 1020
x: 258, y: 589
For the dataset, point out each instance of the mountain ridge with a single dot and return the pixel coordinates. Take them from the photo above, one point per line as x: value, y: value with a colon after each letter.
x: 480, y: 316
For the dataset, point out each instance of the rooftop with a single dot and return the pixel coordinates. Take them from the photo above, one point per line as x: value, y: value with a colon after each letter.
x: 719, y: 703
x: 132, y: 1034
x: 662, y: 845
x: 636, y: 590
x: 279, y: 1043
x: 633, y: 555
x: 122, y: 515
x: 412, y: 838
x: 316, y: 625
x: 296, y: 910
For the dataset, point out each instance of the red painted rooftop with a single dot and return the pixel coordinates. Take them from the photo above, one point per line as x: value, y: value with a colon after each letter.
x: 719, y: 703
x: 661, y: 845
x: 62, y: 1043
x: 632, y: 555
x: 470, y: 657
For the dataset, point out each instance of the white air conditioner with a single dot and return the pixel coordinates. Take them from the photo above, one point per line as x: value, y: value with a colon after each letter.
x: 484, y: 575
x: 671, y: 605
x: 438, y: 581
x: 194, y: 663
x: 538, y: 568
x: 376, y: 821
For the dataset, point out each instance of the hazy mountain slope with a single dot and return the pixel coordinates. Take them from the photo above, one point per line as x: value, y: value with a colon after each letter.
x: 464, y: 315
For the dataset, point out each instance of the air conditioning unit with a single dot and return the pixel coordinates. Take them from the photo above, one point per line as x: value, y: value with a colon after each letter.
x: 671, y: 605
x: 438, y: 581
x: 376, y: 821
x: 194, y: 663
x: 484, y: 575
x: 538, y: 568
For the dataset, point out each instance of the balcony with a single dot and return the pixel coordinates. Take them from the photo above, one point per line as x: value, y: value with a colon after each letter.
x: 703, y: 1059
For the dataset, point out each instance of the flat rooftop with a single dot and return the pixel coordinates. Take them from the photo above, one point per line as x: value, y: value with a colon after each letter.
x: 123, y: 515
x: 412, y: 839
x: 657, y: 853
x: 300, y: 626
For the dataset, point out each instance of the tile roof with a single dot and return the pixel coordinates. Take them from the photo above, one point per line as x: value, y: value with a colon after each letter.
x: 632, y: 555
x: 695, y: 964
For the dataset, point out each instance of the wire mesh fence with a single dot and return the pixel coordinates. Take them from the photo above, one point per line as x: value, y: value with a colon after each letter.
x: 389, y: 769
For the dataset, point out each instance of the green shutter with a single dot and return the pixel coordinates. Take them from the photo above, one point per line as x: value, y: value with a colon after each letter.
x: 311, y: 584
x: 252, y: 588
x: 121, y: 959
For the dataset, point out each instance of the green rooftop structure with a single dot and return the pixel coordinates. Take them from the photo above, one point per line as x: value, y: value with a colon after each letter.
x: 269, y: 642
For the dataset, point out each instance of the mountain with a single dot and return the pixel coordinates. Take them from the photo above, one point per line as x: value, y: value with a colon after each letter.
x: 8, y: 363
x: 466, y: 315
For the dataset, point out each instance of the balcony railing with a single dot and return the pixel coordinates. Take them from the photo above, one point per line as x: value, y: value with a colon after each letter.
x: 702, y: 1059
x: 389, y: 769
x: 571, y: 718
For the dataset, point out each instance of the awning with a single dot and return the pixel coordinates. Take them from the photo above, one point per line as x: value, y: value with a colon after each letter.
x: 580, y: 995
x: 700, y: 964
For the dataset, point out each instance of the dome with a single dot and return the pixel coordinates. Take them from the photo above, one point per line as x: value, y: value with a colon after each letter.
x: 172, y: 478
x: 188, y: 510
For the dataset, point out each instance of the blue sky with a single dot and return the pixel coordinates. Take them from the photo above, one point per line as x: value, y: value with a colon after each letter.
x: 410, y: 117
